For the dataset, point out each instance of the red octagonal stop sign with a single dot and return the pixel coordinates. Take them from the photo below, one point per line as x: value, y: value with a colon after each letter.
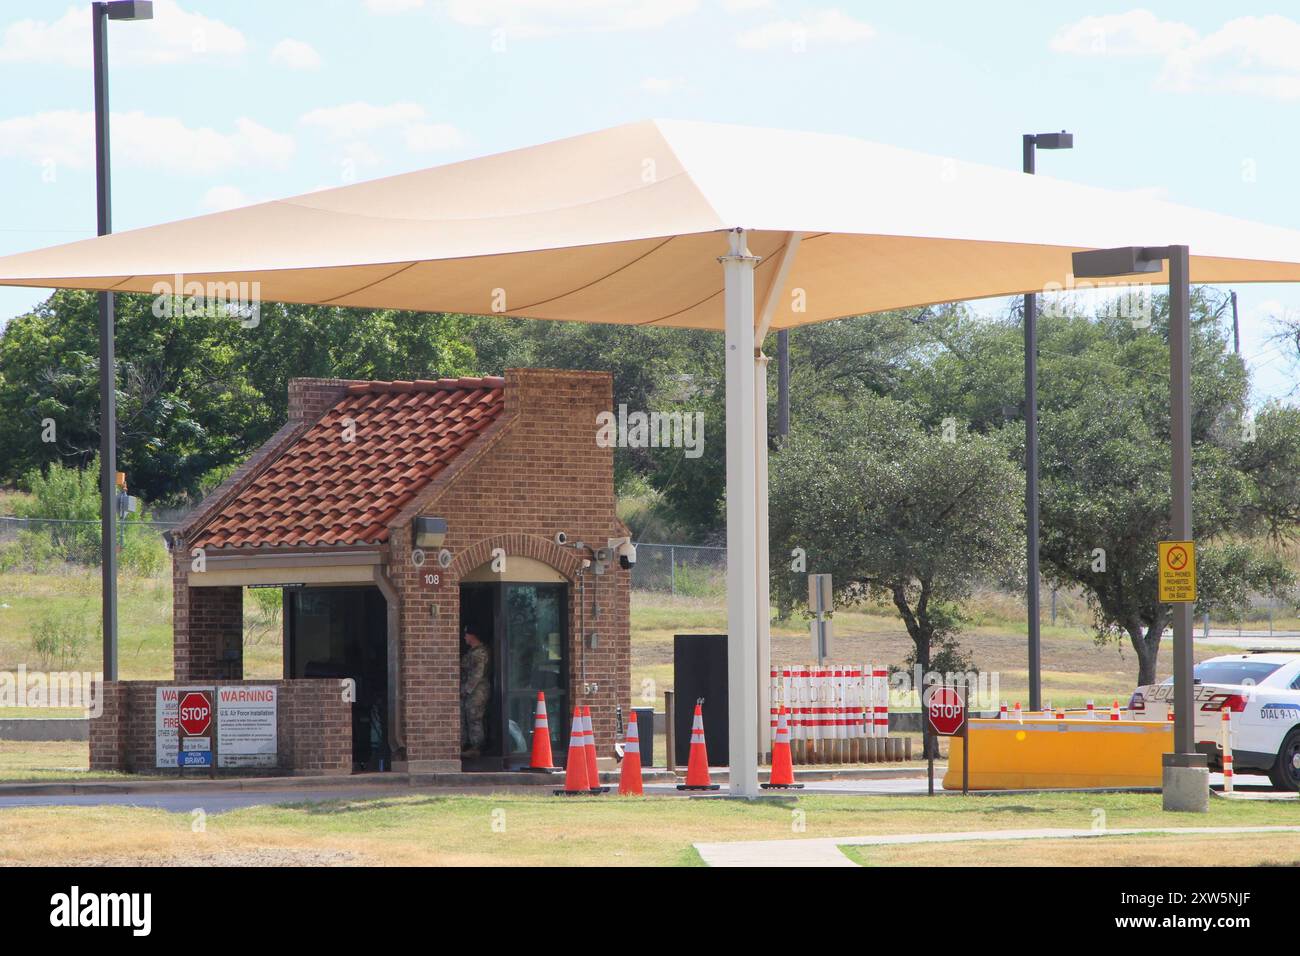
x: 945, y: 711
x: 195, y: 713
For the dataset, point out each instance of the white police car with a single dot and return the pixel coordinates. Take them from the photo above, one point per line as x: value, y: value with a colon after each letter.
x: 1262, y: 690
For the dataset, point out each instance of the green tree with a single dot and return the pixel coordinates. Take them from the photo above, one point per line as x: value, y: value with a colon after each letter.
x: 1105, y: 460
x: 897, y: 513
x: 197, y: 389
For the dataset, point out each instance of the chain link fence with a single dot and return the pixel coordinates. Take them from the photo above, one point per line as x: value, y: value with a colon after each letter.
x: 685, y: 569
x: 38, y: 544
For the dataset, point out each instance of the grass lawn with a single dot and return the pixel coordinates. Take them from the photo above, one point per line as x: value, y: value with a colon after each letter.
x: 524, y: 830
x: 47, y: 760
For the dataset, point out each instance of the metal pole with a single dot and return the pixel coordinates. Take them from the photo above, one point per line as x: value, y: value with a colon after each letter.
x: 107, y: 358
x: 1031, y: 476
x: 1236, y: 328
x: 965, y: 740
x: 1180, y: 378
x: 783, y: 383
x: 742, y: 549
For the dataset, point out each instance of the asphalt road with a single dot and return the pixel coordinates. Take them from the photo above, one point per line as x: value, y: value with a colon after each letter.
x: 219, y: 801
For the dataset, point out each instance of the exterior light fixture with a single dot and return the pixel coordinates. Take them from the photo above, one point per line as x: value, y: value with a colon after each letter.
x: 430, y: 532
x: 129, y: 9
x: 100, y: 14
x: 1185, y: 783
x: 1031, y: 142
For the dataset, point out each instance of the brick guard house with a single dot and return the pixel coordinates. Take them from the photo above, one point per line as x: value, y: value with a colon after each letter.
x: 330, y: 509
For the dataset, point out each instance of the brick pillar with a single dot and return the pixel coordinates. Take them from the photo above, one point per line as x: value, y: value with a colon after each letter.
x: 310, y: 398
x: 209, y: 634
x: 108, y: 731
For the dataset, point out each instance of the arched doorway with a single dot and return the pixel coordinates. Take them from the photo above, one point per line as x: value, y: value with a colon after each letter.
x: 522, y: 618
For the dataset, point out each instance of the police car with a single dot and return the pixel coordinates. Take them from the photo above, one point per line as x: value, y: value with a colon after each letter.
x: 1262, y: 690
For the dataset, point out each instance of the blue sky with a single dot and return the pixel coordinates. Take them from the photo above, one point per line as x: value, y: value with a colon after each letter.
x: 222, y: 103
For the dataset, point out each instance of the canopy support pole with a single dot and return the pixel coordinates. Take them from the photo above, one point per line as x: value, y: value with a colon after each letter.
x: 762, y: 581
x: 762, y: 591
x: 742, y: 557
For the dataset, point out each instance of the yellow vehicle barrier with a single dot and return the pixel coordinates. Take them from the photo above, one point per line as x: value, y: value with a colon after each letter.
x: 1045, y: 753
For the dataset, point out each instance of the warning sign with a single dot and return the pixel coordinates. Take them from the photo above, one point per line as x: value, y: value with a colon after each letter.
x: 1177, y: 572
x: 246, y: 726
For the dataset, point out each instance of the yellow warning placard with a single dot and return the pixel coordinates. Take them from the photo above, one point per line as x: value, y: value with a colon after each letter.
x: 1177, y: 572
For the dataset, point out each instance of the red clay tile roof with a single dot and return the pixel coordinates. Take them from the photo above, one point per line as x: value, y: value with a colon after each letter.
x: 326, y: 491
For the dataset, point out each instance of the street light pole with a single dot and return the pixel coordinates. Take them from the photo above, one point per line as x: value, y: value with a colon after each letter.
x: 101, y: 13
x: 1030, y: 143
x: 1186, y: 776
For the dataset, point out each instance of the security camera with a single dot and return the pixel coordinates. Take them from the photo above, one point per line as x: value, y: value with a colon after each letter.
x: 561, y: 538
x: 626, y: 554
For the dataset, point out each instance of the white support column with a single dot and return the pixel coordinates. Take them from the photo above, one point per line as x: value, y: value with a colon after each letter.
x: 762, y: 603
x: 762, y: 581
x: 742, y: 558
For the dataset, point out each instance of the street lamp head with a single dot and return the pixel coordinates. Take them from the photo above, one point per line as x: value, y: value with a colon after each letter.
x: 1061, y: 140
x: 129, y: 9
x: 1122, y: 261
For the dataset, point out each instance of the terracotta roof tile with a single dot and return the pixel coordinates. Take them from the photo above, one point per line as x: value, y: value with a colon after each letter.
x: 326, y: 491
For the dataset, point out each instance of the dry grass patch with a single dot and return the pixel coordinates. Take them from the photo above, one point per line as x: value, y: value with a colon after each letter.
x: 1156, y: 849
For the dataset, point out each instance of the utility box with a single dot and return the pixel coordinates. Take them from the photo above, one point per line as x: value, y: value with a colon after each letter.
x: 645, y: 731
x: 700, y: 670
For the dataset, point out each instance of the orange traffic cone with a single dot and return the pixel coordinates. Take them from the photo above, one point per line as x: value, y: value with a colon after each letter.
x: 575, y: 774
x: 697, y: 768
x: 1114, y: 710
x: 593, y: 772
x: 542, y: 759
x: 629, y: 777
x: 782, y: 776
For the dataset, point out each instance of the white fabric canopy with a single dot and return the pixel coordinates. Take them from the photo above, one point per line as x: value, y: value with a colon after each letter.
x: 627, y: 225
x: 623, y: 226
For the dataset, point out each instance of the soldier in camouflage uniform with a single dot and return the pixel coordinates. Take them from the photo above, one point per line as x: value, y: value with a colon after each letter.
x: 475, y: 689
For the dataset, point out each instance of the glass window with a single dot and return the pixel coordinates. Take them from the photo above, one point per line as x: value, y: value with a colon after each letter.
x: 1233, y: 672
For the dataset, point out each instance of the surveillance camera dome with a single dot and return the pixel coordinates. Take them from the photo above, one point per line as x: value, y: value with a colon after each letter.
x: 561, y: 538
x: 626, y: 555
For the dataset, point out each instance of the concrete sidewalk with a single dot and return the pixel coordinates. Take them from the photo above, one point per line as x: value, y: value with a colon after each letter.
x: 825, y: 851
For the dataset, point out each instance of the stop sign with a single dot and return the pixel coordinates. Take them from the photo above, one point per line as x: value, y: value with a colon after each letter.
x: 195, y: 713
x: 945, y: 711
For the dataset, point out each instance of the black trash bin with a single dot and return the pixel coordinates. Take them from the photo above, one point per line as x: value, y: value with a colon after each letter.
x: 645, y: 730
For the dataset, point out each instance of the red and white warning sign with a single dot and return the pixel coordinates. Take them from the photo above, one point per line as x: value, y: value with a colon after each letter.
x: 945, y: 710
x: 195, y: 713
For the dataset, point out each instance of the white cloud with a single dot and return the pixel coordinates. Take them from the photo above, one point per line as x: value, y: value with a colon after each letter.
x: 1135, y: 33
x: 823, y: 27
x: 173, y: 36
x: 549, y: 17
x: 221, y: 198
x: 65, y: 137
x: 393, y: 6
x: 296, y: 55
x: 1253, y: 55
x: 432, y: 137
x: 354, y: 119
x: 660, y: 84
x: 741, y: 6
x: 350, y: 123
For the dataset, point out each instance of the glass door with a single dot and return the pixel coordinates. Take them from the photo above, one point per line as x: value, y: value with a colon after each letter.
x: 536, y: 659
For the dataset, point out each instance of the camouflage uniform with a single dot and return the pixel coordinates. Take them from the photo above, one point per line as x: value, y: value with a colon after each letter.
x: 475, y: 689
